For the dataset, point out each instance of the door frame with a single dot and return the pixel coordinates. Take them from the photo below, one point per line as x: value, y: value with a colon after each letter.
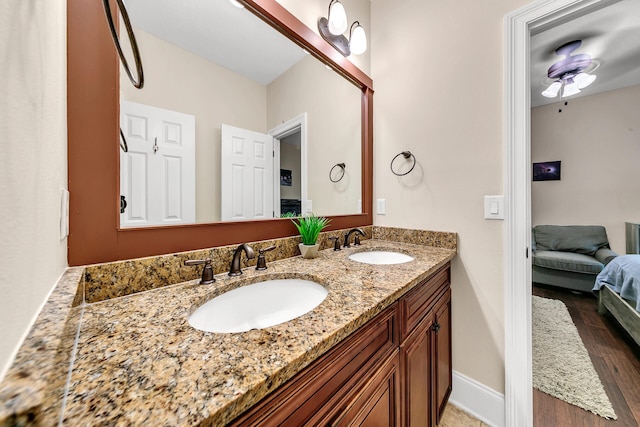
x: 517, y: 187
x: 282, y: 131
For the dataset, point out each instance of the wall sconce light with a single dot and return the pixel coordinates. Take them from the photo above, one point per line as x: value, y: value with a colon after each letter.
x: 332, y: 29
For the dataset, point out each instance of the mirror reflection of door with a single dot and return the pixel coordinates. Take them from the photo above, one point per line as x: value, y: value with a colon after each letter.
x: 157, y: 178
x: 264, y: 175
x: 246, y: 174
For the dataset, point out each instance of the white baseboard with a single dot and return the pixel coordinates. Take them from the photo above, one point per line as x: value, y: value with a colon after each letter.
x: 478, y: 400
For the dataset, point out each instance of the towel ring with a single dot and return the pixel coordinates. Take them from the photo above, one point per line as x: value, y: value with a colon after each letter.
x: 406, y: 155
x: 337, y: 165
x: 132, y: 38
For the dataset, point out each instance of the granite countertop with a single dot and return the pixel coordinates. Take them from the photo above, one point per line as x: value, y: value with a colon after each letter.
x: 139, y: 362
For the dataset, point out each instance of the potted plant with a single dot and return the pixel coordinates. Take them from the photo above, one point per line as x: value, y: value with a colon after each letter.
x: 309, y: 228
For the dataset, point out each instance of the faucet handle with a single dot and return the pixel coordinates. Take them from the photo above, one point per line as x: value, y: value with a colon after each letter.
x: 336, y: 243
x: 207, y: 271
x: 262, y: 262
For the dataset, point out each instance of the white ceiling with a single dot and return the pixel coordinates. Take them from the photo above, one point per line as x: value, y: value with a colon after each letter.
x: 611, y: 35
x: 233, y: 38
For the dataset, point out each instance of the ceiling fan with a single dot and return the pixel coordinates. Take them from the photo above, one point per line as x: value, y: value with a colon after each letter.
x: 571, y: 74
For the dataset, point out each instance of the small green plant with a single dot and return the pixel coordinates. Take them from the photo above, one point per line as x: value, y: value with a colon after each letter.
x: 310, y: 227
x: 288, y: 215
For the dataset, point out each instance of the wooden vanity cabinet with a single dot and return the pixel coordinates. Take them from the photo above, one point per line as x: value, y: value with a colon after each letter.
x: 329, y: 389
x: 393, y: 371
x: 425, y: 350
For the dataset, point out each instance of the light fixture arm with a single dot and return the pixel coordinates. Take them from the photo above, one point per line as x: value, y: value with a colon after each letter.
x: 339, y: 41
x: 355, y: 23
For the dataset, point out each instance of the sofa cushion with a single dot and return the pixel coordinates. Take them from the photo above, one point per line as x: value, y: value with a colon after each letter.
x: 569, y: 261
x: 582, y: 239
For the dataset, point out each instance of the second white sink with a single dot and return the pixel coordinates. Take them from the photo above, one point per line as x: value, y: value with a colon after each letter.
x: 381, y: 257
x: 258, y: 306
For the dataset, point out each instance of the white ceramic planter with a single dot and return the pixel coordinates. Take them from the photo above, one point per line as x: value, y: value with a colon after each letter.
x: 309, y: 251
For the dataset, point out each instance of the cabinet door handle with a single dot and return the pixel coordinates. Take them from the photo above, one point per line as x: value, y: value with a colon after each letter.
x: 436, y: 327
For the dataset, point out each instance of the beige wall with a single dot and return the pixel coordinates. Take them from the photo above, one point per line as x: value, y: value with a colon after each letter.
x: 596, y: 138
x: 437, y: 72
x: 33, y: 162
x: 334, y: 132
x: 181, y: 81
x: 309, y: 11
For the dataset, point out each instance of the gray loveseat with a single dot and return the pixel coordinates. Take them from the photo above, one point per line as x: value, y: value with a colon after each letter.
x: 569, y: 256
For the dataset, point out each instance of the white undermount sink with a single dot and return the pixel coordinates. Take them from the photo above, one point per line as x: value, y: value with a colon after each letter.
x: 381, y: 257
x: 258, y: 306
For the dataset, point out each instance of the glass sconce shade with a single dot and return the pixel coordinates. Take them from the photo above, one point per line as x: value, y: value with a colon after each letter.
x: 337, y: 18
x: 358, y: 39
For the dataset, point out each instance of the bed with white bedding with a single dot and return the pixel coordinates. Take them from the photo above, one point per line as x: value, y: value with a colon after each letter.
x: 618, y: 289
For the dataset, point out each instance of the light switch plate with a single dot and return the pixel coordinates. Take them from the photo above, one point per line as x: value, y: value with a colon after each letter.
x: 64, y: 213
x: 309, y: 206
x: 494, y: 207
x: 381, y: 206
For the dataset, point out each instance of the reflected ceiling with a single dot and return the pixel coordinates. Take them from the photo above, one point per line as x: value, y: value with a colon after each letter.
x: 219, y: 32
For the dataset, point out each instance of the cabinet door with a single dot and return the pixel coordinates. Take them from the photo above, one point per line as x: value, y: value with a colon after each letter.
x: 442, y: 353
x: 328, y: 385
x: 415, y: 359
x: 378, y: 402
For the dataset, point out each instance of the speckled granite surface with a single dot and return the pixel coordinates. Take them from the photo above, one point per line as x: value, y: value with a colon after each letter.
x: 439, y: 239
x: 111, y: 280
x: 139, y: 362
x: 39, y: 371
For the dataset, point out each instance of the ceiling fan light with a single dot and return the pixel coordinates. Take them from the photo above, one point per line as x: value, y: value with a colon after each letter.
x: 358, y: 40
x: 552, y: 90
x: 337, y: 18
x: 570, y: 88
x: 583, y: 80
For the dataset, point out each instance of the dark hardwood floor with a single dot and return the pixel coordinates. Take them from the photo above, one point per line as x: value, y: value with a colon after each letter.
x: 616, y: 359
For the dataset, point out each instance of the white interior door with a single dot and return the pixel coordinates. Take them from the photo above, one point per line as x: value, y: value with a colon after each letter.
x: 246, y: 175
x: 157, y: 174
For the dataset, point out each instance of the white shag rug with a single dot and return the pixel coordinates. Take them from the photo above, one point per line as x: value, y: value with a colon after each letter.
x: 561, y: 363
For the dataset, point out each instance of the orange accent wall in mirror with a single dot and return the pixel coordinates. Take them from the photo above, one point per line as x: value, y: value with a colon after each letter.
x: 93, y: 146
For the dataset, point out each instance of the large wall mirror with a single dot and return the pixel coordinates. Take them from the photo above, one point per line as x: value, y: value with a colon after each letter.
x: 235, y: 121
x: 160, y: 170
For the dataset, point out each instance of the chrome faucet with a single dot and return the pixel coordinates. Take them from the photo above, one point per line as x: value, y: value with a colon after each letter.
x: 236, y: 269
x: 356, y: 240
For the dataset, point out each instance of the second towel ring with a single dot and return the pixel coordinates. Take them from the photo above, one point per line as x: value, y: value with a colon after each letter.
x: 337, y: 165
x: 406, y: 155
x: 132, y: 38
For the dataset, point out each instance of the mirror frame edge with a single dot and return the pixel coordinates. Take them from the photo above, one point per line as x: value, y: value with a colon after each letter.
x: 93, y: 175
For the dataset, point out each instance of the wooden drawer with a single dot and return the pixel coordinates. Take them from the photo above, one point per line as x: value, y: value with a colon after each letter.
x: 417, y: 302
x: 328, y: 379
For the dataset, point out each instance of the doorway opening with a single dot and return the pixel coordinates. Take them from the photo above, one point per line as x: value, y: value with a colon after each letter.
x: 517, y: 172
x: 290, y: 165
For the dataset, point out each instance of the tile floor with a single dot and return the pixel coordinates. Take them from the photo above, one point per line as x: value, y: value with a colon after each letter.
x: 455, y: 417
